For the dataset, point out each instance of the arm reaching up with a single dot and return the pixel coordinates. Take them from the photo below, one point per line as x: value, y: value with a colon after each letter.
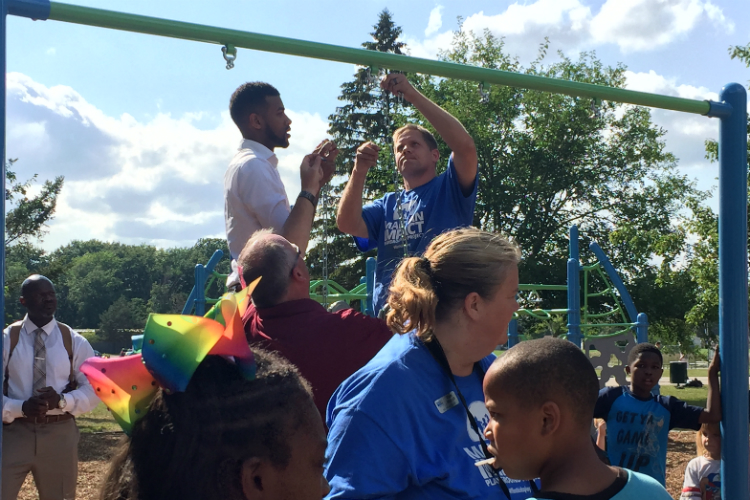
x: 450, y: 129
x: 298, y: 225
x: 349, y: 216
x: 712, y: 413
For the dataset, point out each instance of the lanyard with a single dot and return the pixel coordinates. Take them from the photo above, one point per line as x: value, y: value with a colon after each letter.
x: 434, y: 347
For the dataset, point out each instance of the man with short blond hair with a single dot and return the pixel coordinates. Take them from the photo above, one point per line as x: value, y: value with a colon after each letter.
x: 429, y: 203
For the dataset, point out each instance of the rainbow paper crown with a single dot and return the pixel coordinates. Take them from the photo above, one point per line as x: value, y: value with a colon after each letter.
x: 173, y: 347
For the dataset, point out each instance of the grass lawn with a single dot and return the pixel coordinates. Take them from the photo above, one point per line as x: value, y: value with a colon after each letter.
x: 692, y: 372
x: 97, y: 420
x: 695, y: 396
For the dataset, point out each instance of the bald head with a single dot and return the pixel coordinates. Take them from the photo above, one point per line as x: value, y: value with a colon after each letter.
x: 271, y: 256
x: 32, y: 283
x: 39, y: 298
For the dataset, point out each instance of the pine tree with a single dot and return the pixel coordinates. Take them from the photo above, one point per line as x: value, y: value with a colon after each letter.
x: 368, y: 114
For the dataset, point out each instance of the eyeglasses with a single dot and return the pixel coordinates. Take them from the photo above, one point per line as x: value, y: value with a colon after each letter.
x: 296, y: 259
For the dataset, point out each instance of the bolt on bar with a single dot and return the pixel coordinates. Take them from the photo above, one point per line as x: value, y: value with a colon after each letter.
x: 189, y: 31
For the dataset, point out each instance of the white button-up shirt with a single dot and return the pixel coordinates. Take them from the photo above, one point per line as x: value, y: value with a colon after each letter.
x: 254, y: 196
x: 21, y: 370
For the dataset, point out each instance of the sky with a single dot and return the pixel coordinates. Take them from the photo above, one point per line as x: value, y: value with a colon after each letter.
x: 139, y: 125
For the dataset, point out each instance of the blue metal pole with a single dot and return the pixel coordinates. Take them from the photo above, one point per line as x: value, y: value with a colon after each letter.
x: 200, y: 290
x: 733, y: 328
x: 574, y: 288
x: 627, y: 301
x: 512, y: 333
x: 641, y: 328
x: 3, y: 37
x: 574, y: 302
x: 573, y: 243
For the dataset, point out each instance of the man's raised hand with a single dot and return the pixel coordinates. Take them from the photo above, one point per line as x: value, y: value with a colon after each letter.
x: 328, y: 152
x: 367, y: 156
x: 311, y: 173
x: 397, y: 83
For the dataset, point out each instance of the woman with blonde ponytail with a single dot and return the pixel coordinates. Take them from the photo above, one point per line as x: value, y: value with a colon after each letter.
x: 410, y: 423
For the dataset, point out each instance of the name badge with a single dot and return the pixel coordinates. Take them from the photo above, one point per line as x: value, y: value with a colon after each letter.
x: 446, y: 402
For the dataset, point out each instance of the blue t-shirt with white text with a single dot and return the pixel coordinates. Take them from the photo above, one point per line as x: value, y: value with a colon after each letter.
x: 637, y: 429
x: 426, y: 211
x: 398, y: 431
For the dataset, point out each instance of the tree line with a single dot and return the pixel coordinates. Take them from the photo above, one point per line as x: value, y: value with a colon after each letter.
x: 546, y: 161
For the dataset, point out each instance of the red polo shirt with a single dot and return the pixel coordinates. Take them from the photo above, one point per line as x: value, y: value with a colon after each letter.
x: 325, y: 347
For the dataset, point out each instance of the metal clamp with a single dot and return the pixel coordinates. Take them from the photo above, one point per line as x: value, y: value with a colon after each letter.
x: 484, y: 95
x: 596, y: 110
x: 230, y: 54
x: 372, y: 75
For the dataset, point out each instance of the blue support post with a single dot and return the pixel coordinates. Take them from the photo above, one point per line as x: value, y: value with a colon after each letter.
x: 512, y: 333
x: 200, y: 290
x: 574, y: 302
x: 208, y: 269
x: 574, y: 288
x: 627, y: 301
x: 370, y: 266
x: 3, y: 37
x: 573, y: 243
x: 641, y: 328
x: 733, y: 328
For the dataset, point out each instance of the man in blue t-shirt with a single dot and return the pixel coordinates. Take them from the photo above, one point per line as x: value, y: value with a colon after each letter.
x: 429, y: 203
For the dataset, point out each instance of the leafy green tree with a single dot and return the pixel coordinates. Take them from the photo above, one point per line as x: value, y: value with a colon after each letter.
x: 704, y: 266
x: 120, y: 318
x: 93, y: 286
x: 547, y: 161
x: 368, y: 114
x: 27, y: 215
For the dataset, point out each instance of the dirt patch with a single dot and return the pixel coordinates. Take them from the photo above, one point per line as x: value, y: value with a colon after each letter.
x: 96, y: 450
x: 94, y: 454
x: 680, y: 450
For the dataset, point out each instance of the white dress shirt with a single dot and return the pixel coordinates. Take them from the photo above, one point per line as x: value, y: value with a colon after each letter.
x: 254, y: 196
x: 21, y: 370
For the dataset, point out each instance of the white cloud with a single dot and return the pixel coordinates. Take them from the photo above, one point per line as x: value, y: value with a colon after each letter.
x: 158, y: 181
x: 435, y: 22
x: 685, y: 133
x: 571, y: 25
x: 51, y: 51
x: 640, y: 25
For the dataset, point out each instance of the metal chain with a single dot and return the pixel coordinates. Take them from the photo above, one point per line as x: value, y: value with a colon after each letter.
x: 324, y: 201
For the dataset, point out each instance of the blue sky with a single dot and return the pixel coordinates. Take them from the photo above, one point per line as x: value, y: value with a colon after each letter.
x: 139, y: 124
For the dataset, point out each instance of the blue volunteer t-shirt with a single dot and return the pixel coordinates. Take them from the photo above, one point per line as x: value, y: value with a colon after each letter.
x: 637, y: 429
x: 398, y: 431
x: 427, y: 211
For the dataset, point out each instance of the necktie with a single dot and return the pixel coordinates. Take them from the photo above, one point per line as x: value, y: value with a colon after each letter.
x: 40, y: 361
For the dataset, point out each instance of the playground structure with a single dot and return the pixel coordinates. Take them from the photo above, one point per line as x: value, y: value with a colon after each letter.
x: 731, y: 109
x: 583, y: 324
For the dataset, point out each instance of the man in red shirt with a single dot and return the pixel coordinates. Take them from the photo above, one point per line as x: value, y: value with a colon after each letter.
x: 325, y: 347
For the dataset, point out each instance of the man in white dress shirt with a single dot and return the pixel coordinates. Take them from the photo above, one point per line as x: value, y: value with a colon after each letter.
x: 254, y: 195
x: 43, y: 390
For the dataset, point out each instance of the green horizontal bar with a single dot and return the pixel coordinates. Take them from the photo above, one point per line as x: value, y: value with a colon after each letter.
x: 605, y: 336
x: 602, y: 325
x: 599, y: 294
x: 542, y: 287
x: 221, y: 36
x: 604, y: 315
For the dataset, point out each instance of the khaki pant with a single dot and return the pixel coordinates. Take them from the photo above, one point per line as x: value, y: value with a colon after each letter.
x: 48, y: 451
